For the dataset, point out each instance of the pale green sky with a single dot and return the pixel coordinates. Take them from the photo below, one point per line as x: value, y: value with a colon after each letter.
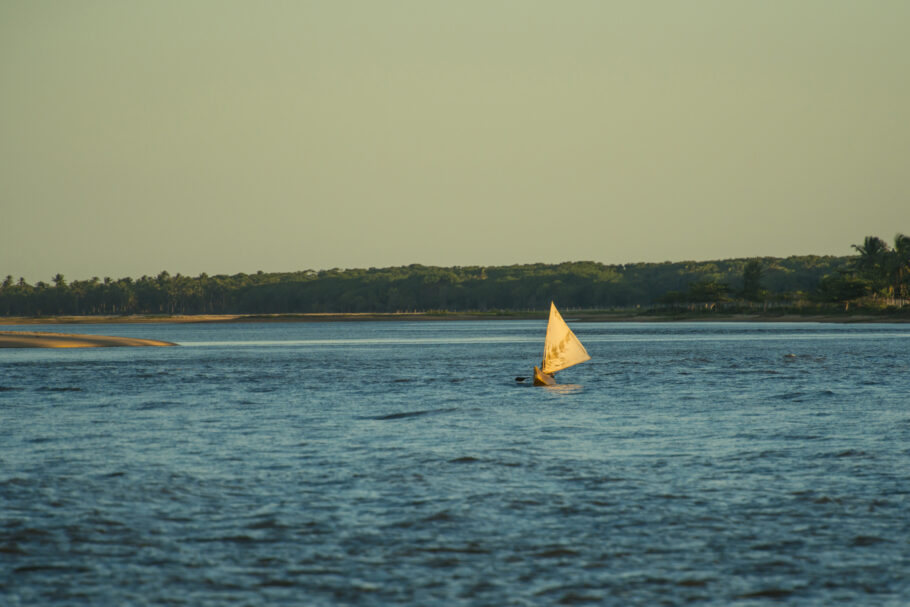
x: 222, y: 136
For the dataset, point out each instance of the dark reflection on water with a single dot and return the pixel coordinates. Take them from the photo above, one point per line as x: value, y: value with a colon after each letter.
x: 397, y: 463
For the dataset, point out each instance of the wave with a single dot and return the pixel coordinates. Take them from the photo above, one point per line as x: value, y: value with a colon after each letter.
x: 409, y: 414
x: 766, y: 593
x: 867, y: 540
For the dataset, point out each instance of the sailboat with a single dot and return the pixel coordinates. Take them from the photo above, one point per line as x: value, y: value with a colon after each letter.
x: 561, y: 350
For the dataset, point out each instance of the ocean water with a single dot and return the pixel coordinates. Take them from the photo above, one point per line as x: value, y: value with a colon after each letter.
x: 401, y: 464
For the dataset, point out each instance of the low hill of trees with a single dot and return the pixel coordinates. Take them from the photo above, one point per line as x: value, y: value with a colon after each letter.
x: 878, y: 271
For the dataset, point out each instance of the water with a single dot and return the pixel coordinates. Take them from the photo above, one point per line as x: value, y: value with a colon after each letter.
x: 400, y: 463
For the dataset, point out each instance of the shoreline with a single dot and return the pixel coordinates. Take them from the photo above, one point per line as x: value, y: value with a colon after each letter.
x: 577, y: 316
x: 44, y: 339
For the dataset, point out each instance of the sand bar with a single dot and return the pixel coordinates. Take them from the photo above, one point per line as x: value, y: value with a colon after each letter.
x: 40, y: 339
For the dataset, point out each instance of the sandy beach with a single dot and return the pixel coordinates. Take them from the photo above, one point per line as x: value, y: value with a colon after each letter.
x: 36, y: 339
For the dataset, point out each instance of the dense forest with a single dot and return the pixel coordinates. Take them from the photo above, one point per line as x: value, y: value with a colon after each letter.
x: 878, y: 274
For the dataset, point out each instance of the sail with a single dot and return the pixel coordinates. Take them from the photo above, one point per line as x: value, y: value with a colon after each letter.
x: 561, y: 349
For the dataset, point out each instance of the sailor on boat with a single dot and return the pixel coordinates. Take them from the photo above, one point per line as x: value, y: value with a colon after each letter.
x: 561, y: 350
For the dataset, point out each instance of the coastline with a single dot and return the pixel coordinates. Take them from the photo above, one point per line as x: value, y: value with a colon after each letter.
x: 44, y: 339
x: 577, y: 316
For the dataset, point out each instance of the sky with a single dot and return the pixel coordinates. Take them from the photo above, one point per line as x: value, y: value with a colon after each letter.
x: 225, y: 136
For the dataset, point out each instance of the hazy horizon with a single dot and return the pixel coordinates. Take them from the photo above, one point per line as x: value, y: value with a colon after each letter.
x: 225, y: 137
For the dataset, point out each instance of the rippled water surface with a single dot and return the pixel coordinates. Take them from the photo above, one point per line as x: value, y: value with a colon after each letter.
x: 400, y: 463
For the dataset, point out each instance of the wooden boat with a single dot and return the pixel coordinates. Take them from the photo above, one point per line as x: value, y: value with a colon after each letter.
x: 561, y: 350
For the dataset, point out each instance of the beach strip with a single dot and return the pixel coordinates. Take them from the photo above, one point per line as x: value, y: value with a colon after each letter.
x: 40, y: 339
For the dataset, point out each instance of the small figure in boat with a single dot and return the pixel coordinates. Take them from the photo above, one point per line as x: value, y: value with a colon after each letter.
x: 561, y: 350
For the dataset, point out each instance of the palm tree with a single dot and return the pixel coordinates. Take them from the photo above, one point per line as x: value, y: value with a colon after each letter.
x: 873, y: 261
x: 886, y: 268
x: 900, y: 264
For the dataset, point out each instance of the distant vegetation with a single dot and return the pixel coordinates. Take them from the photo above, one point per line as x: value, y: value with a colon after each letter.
x: 877, y: 277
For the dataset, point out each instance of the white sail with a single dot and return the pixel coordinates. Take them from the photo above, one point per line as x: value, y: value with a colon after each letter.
x: 561, y: 348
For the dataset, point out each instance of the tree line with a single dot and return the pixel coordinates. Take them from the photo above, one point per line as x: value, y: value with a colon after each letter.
x: 877, y: 271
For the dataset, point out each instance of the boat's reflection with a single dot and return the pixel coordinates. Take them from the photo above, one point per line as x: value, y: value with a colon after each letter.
x: 554, y: 389
x: 564, y: 388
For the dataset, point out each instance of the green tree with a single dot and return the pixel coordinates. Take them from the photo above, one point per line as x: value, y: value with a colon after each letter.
x: 885, y: 268
x: 872, y: 262
x: 752, y: 275
x: 899, y: 266
x: 705, y: 291
x: 842, y: 287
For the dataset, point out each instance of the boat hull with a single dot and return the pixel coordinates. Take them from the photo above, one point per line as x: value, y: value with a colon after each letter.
x: 543, y: 379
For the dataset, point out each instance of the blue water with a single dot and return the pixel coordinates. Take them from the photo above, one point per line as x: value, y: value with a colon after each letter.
x: 400, y: 463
